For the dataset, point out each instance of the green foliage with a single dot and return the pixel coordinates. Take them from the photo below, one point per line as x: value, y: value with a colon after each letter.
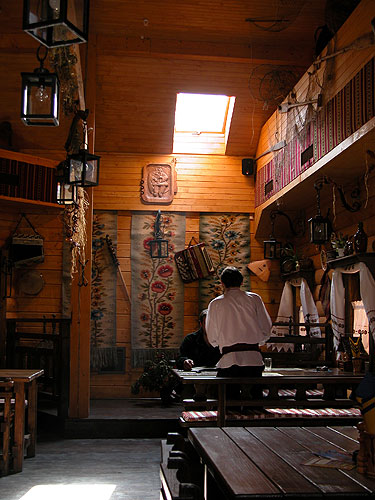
x: 157, y: 375
x: 338, y: 240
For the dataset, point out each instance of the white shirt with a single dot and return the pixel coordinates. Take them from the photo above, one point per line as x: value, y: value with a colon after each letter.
x: 238, y: 317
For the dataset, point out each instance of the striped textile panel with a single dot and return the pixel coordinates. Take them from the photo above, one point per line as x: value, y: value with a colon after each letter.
x: 346, y: 112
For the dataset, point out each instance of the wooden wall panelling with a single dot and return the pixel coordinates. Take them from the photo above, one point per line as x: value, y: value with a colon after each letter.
x: 205, y: 184
x: 48, y: 223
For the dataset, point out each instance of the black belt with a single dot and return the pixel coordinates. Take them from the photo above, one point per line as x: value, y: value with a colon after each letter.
x: 240, y: 347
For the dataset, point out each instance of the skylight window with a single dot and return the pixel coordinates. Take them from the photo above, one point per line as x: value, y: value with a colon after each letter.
x: 197, y: 113
x: 202, y: 123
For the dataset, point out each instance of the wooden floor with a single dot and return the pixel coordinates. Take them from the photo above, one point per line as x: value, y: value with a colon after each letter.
x: 122, y: 418
x: 95, y: 469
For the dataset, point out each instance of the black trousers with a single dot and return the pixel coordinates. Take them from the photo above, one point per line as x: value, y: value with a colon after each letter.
x: 235, y: 391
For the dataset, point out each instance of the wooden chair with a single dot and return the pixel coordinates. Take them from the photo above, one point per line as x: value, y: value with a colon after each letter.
x: 6, y: 425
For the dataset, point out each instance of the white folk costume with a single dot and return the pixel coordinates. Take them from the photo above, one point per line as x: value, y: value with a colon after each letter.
x: 310, y: 312
x: 367, y: 291
x: 238, y: 317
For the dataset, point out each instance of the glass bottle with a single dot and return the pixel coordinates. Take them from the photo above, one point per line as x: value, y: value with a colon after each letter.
x: 360, y: 239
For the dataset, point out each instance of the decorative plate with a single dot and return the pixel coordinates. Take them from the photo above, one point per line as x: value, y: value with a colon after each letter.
x: 31, y: 283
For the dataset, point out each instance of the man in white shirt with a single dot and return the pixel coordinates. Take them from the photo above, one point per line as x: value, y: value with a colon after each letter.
x: 238, y: 323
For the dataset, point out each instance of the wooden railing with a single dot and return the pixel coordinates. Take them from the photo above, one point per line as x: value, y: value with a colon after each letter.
x: 24, y: 177
x: 307, y: 349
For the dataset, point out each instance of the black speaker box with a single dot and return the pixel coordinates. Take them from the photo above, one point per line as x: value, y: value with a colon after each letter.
x: 248, y: 166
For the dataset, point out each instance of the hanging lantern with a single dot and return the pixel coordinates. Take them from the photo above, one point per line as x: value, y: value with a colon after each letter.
x: 56, y: 23
x: 318, y: 225
x: 272, y: 247
x: 40, y: 96
x: 83, y: 169
x: 67, y: 194
x: 158, y: 246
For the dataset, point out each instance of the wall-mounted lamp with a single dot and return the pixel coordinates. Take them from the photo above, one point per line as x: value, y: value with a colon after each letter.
x: 158, y: 246
x: 355, y: 195
x: 272, y: 247
x: 55, y: 23
x: 40, y: 96
x: 319, y: 226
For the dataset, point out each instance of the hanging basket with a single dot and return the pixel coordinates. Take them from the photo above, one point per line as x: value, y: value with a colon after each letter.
x: 25, y: 248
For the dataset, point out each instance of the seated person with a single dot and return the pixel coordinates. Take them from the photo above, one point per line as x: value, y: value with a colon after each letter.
x: 195, y: 350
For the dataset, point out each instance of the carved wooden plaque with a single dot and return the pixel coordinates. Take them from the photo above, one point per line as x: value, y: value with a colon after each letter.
x: 159, y: 183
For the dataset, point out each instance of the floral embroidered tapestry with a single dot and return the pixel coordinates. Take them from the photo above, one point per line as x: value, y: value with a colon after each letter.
x: 103, y: 352
x: 157, y: 312
x: 227, y: 239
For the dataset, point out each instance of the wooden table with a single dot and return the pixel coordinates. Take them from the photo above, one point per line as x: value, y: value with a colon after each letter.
x: 299, y: 379
x: 25, y: 388
x: 267, y: 462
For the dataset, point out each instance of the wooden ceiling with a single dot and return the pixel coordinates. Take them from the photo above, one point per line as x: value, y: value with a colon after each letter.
x: 145, y: 51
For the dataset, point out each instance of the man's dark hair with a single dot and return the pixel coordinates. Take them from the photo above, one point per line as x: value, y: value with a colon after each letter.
x: 202, y: 315
x: 231, y: 277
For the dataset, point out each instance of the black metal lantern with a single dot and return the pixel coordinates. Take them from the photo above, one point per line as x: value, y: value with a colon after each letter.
x: 158, y: 246
x: 318, y: 225
x: 40, y: 96
x: 272, y: 247
x: 55, y: 23
x: 67, y: 194
x: 83, y: 168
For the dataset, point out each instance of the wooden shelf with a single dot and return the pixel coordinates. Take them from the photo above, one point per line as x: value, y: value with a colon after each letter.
x: 349, y: 260
x: 24, y: 202
x: 307, y: 274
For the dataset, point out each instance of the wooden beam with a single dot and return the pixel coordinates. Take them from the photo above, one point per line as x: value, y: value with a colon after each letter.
x: 81, y: 296
x: 78, y: 74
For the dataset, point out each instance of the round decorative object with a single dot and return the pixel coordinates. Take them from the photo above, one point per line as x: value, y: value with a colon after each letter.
x: 287, y: 266
x: 31, y: 283
x: 323, y: 259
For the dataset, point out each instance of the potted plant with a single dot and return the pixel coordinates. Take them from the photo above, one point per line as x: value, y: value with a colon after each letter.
x: 157, y: 376
x: 338, y: 241
x: 289, y: 261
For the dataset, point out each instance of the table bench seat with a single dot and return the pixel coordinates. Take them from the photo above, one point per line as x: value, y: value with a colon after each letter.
x: 293, y: 416
x: 172, y: 488
x: 284, y: 388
